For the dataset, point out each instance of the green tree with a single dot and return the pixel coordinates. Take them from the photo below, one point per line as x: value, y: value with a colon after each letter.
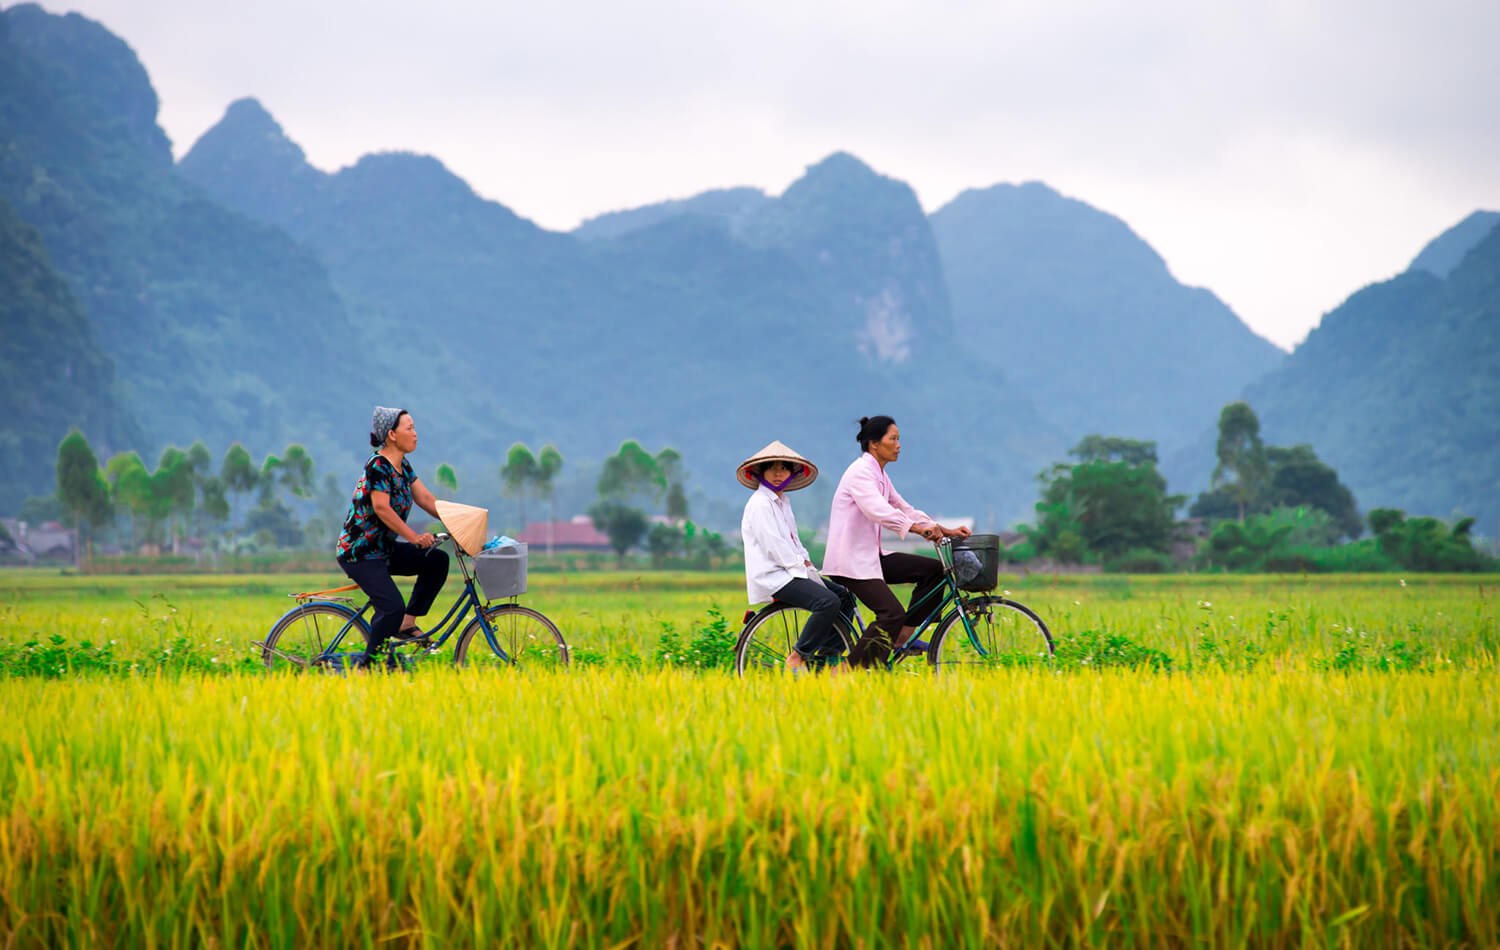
x: 1299, y: 478
x: 213, y: 500
x: 717, y: 548
x: 130, y: 490
x: 272, y: 525
x: 173, y: 494
x: 1246, y: 545
x: 1296, y: 478
x: 81, y: 489
x: 1241, y: 455
x: 1105, y: 507
x: 446, y: 477
x: 623, y: 524
x: 663, y: 540
x: 239, y: 474
x: 517, y: 475
x: 1427, y: 544
x: 296, y: 471
x: 632, y: 473
x: 677, y: 503
x: 1110, y: 448
x: 549, y: 463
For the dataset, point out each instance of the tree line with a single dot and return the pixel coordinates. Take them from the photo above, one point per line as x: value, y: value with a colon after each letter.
x: 234, y: 503
x: 1268, y: 508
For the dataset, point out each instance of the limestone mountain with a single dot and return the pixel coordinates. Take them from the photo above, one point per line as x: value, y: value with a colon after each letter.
x: 218, y: 327
x: 1447, y: 250
x: 667, y: 332
x: 729, y: 206
x: 1086, y: 318
x: 53, y: 374
x: 1399, y: 390
x: 862, y: 237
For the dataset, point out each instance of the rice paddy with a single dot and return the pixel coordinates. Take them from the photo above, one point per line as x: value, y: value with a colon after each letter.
x: 1315, y: 764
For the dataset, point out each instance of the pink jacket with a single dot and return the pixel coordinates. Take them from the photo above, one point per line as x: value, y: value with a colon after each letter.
x: 865, y: 502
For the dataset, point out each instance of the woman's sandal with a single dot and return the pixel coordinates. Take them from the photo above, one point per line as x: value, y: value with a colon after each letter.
x: 412, y: 634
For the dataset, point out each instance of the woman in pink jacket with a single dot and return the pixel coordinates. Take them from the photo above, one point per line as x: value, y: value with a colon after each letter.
x: 864, y: 504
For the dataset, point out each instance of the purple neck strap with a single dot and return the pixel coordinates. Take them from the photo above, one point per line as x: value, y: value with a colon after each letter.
x: 784, y: 482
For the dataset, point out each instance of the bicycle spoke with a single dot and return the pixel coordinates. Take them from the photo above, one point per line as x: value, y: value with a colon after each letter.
x: 303, y: 637
x: 1000, y: 633
x: 770, y: 636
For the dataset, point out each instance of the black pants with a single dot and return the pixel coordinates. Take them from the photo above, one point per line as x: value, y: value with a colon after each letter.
x: 374, y: 577
x: 926, y: 572
x: 824, y: 605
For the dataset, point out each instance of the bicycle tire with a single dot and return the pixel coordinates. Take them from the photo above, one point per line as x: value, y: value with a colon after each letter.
x: 1008, y: 633
x: 306, y: 633
x: 770, y: 634
x: 523, y: 633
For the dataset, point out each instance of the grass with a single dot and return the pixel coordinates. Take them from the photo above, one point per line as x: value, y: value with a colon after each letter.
x: 619, y: 619
x: 1292, y: 777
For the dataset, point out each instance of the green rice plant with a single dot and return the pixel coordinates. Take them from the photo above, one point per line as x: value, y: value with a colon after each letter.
x: 618, y: 808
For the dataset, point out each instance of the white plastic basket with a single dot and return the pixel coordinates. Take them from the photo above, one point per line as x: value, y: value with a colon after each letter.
x: 501, y: 571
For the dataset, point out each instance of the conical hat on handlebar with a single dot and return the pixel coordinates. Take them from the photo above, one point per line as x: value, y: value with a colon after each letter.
x: 467, y: 524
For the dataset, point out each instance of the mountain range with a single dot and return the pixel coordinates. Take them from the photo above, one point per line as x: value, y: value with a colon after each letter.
x: 242, y: 294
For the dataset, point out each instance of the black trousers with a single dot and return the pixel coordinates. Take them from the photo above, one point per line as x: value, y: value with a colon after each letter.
x: 824, y: 604
x: 926, y: 572
x: 374, y: 577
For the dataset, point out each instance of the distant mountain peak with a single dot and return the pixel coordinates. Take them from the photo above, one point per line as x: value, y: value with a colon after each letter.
x: 842, y: 163
x: 247, y: 135
x: 1446, y: 251
x: 105, y: 80
x: 728, y: 206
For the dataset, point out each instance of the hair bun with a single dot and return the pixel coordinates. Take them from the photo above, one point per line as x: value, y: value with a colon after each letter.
x: 864, y: 420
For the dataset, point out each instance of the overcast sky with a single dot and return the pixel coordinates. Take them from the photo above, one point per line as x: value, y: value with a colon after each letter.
x: 1282, y: 153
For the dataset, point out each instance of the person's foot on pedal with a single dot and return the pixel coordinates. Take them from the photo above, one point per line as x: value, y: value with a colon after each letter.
x: 795, y: 663
x: 914, y: 648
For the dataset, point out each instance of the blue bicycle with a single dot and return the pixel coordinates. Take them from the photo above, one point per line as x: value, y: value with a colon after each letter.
x: 971, y: 631
x: 325, y: 632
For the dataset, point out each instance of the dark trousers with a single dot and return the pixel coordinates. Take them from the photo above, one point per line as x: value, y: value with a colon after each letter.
x: 926, y: 572
x: 374, y: 577
x: 824, y: 604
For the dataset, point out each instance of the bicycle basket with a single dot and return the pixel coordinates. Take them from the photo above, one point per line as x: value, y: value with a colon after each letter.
x: 501, y: 571
x: 976, y: 562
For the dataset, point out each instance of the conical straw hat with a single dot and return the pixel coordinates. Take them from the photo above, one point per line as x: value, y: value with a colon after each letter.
x: 467, y: 524
x: 777, y: 451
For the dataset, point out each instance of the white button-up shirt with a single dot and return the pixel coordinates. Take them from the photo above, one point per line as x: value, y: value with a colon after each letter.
x: 774, y: 555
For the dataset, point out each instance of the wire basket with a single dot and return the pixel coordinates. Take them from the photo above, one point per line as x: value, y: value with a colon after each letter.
x: 976, y: 562
x: 501, y: 571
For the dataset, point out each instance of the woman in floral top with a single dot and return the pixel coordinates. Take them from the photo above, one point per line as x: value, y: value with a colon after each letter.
x: 367, y: 549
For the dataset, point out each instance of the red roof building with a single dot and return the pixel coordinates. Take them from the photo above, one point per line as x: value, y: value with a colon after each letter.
x: 576, y: 535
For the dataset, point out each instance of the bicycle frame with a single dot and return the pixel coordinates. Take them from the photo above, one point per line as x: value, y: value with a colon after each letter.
x: 468, y: 600
x: 951, y: 597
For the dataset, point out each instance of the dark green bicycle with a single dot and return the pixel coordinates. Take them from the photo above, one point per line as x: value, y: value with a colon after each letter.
x: 971, y: 627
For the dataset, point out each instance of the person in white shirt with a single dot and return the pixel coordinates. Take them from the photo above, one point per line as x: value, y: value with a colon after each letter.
x: 777, y: 566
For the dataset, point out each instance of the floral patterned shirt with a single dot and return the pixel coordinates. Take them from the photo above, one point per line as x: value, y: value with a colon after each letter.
x: 365, y: 536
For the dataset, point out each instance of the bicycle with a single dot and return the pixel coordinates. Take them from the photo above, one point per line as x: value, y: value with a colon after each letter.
x: 971, y: 631
x: 310, y: 635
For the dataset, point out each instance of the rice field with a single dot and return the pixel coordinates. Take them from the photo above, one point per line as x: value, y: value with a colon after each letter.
x: 1315, y: 764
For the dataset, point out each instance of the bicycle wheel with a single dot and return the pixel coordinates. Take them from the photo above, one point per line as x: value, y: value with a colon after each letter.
x: 524, y: 634
x: 304, y: 634
x: 770, y: 635
x: 1006, y: 633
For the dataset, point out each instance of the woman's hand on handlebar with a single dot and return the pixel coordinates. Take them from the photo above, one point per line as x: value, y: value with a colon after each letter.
x: 959, y: 532
x: 931, y: 532
x: 424, y: 540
